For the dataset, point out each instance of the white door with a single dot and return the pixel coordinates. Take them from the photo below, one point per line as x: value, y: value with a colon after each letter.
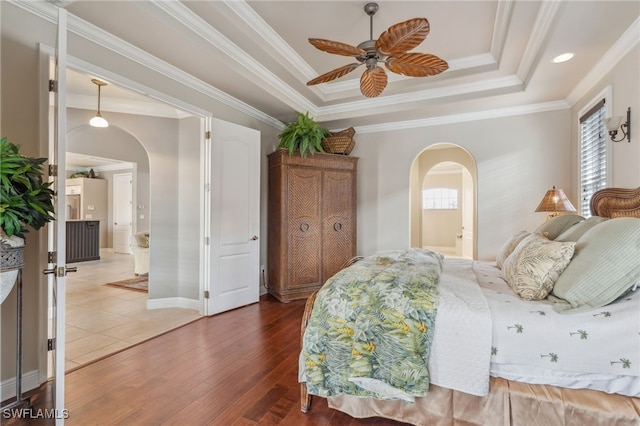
x: 467, y: 214
x: 234, y: 206
x: 57, y: 229
x: 122, y: 212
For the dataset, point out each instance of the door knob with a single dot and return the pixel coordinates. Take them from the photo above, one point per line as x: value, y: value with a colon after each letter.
x: 255, y: 237
x: 60, y: 271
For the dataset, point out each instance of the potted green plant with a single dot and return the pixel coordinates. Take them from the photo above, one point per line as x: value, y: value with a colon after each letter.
x: 26, y: 201
x: 305, y: 134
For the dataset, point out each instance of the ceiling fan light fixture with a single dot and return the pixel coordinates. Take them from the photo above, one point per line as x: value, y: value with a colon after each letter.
x: 98, y: 120
x: 391, y: 48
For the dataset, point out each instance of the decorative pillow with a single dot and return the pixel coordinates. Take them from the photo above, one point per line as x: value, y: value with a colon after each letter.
x: 508, y: 247
x: 142, y: 239
x: 577, y: 230
x: 606, y: 264
x: 535, y: 265
x: 557, y: 225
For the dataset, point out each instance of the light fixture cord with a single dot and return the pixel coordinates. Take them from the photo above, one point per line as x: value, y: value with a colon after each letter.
x: 99, y: 87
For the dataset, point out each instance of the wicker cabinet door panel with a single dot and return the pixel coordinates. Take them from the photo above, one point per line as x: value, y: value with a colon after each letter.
x: 338, y: 210
x: 304, y: 226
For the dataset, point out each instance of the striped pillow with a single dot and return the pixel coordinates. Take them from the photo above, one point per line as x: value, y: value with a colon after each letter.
x: 605, y: 266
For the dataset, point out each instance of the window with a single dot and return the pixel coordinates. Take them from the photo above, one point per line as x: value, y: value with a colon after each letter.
x: 593, y: 155
x: 440, y: 199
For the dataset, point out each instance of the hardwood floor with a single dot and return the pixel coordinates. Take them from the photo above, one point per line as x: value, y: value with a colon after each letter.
x: 235, y: 368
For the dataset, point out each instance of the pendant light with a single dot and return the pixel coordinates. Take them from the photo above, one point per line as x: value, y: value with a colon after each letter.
x: 98, y: 121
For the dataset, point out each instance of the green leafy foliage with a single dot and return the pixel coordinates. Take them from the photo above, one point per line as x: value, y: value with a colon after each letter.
x: 25, y: 199
x: 304, y: 134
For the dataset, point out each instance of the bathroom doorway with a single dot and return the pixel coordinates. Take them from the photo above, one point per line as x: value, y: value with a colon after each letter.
x: 443, y: 194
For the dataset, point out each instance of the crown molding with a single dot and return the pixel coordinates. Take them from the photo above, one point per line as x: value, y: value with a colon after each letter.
x: 465, y: 117
x: 629, y: 39
x: 542, y: 30
x: 327, y: 90
x: 215, y: 38
x: 501, y: 28
x: 544, y: 21
x: 499, y: 83
x: 109, y: 41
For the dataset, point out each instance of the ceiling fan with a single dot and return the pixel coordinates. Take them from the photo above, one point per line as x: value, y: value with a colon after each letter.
x: 391, y: 48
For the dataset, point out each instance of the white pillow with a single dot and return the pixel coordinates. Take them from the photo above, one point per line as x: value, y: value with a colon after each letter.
x: 535, y: 265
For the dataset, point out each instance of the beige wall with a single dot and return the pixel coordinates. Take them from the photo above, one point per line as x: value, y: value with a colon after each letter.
x: 518, y: 158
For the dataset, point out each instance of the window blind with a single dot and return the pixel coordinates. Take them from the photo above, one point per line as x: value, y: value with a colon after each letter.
x: 593, y: 155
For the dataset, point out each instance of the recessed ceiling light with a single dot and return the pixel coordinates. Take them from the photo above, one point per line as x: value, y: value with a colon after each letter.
x: 562, y: 58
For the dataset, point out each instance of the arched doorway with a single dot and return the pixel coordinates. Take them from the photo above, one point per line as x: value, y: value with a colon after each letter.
x: 443, y: 195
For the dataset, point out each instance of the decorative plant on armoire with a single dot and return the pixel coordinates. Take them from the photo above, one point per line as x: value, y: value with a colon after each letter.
x: 305, y: 134
x: 26, y: 201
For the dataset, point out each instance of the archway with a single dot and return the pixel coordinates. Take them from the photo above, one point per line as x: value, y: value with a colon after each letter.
x: 451, y: 230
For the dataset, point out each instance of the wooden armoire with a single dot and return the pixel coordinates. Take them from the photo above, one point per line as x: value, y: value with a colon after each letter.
x: 312, y: 220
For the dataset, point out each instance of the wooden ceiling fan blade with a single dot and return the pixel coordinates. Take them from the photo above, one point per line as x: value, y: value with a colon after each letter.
x: 403, y: 36
x: 332, y: 75
x: 417, y: 64
x: 336, y: 47
x: 373, y: 82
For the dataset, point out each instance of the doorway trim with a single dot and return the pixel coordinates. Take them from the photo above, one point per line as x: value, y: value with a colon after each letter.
x: 422, y: 163
x: 46, y: 55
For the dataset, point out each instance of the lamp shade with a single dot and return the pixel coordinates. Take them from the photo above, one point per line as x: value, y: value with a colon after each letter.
x: 555, y: 201
x: 612, y: 123
x: 98, y: 121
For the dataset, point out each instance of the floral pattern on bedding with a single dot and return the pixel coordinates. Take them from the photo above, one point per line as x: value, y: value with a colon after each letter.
x: 371, y: 327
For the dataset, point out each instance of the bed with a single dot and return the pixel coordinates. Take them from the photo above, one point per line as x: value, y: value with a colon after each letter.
x: 517, y: 341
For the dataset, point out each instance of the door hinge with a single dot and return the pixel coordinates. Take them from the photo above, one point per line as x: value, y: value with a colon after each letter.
x: 53, y: 86
x: 206, y: 241
x: 53, y: 170
x: 51, y: 344
x: 206, y: 294
x: 52, y: 257
x: 207, y: 134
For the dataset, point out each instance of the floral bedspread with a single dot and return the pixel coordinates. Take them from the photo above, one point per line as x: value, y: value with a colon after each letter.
x: 371, y: 327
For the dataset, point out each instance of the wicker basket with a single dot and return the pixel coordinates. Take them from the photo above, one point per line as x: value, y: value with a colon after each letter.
x: 340, y: 142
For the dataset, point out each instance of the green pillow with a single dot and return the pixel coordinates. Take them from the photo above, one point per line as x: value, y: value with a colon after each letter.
x: 606, y: 263
x: 557, y: 225
x: 577, y: 230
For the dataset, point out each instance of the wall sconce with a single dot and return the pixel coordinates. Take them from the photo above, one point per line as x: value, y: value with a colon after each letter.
x: 98, y: 121
x: 555, y: 201
x: 613, y: 123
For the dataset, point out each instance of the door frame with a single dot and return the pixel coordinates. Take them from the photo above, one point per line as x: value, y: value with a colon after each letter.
x: 46, y: 55
x: 422, y: 163
x: 134, y: 203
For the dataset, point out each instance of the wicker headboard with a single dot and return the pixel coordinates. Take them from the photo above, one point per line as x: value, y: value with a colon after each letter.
x: 616, y: 202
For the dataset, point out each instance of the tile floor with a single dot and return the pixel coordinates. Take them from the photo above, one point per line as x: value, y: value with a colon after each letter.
x: 101, y: 320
